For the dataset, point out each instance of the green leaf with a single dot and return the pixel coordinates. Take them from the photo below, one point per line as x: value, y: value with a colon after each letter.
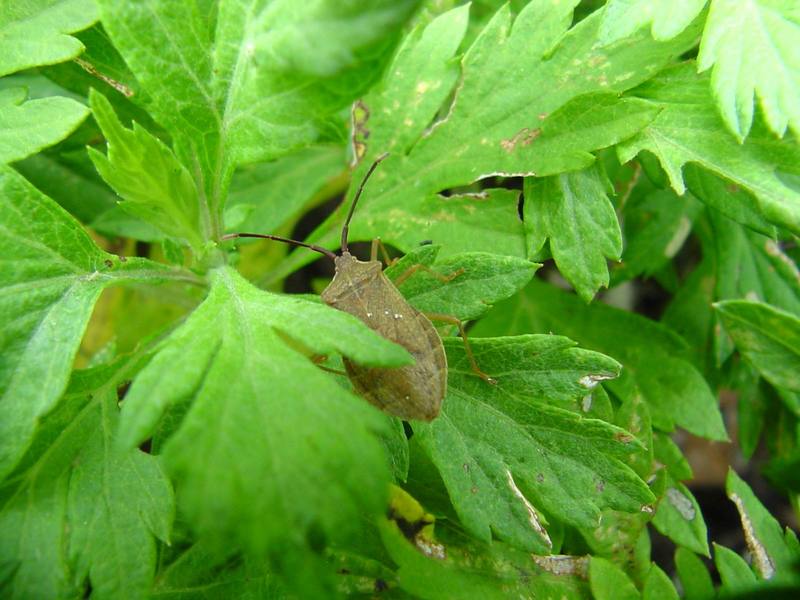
x: 51, y: 277
x: 768, y: 337
x: 548, y: 122
x: 27, y: 127
x: 289, y: 458
x: 472, y: 570
x: 77, y: 506
x: 679, y: 518
x: 752, y: 46
x: 731, y: 200
x: 773, y: 557
x: 419, y: 80
x: 101, y: 66
x: 395, y: 444
x: 688, y: 129
x: 202, y: 572
x: 154, y: 186
x: 234, y: 84
x: 675, y: 392
x: 691, y: 315
x: 669, y: 454
x: 737, y: 576
x: 35, y: 33
x: 487, y: 221
x: 116, y: 499
x: 658, y: 586
x: 81, y: 191
x: 267, y: 196
x: 750, y: 266
x: 609, y: 582
x: 574, y: 212
x: 656, y: 226
x: 697, y: 584
x: 476, y: 281
x: 751, y: 412
x: 667, y: 18
x: 505, y: 455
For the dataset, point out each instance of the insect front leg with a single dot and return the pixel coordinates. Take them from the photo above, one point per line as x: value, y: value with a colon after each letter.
x: 468, y: 349
x: 373, y: 252
x: 419, y: 267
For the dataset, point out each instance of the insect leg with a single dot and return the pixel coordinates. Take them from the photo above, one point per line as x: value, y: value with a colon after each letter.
x: 470, y: 356
x: 373, y: 253
x: 419, y: 267
x: 334, y: 371
x: 318, y: 359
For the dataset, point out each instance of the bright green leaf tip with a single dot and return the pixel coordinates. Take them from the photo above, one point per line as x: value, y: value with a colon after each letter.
x: 153, y: 184
x: 27, y: 127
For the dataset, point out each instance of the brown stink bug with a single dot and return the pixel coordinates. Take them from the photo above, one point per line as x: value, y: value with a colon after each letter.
x: 360, y: 288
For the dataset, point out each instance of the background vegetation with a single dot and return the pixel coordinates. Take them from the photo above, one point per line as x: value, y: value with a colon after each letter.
x: 165, y: 429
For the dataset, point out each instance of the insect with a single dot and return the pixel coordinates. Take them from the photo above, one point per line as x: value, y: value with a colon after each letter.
x: 360, y: 288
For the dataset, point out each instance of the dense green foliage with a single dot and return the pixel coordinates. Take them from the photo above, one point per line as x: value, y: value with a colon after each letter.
x: 166, y: 429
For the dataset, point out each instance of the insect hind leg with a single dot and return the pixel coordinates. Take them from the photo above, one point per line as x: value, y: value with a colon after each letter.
x: 467, y: 348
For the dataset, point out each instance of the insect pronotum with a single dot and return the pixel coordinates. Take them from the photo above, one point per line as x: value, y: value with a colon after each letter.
x: 361, y: 289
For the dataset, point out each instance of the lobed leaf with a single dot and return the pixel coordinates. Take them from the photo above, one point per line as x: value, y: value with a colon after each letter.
x: 667, y: 18
x: 471, y: 570
x: 688, y: 130
x: 733, y: 201
x: 36, y: 33
x: 487, y: 221
x: 232, y: 84
x: 290, y: 459
x: 82, y: 193
x: 77, y: 506
x: 507, y: 458
x: 27, y: 127
x: 476, y: 280
x: 768, y: 337
x: 676, y: 393
x: 201, y: 570
x: 749, y: 265
x: 397, y: 111
x: 752, y: 46
x: 266, y: 196
x: 154, y: 186
x: 573, y: 211
x: 549, y: 121
x: 656, y: 226
x: 52, y: 274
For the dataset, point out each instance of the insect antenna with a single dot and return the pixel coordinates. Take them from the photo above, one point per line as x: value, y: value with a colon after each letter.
x: 278, y: 238
x: 355, y: 200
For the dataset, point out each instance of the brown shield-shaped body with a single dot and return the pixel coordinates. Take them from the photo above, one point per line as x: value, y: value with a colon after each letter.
x: 413, y: 392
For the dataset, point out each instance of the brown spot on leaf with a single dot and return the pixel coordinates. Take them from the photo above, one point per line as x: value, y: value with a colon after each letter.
x: 524, y: 137
x: 624, y: 437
